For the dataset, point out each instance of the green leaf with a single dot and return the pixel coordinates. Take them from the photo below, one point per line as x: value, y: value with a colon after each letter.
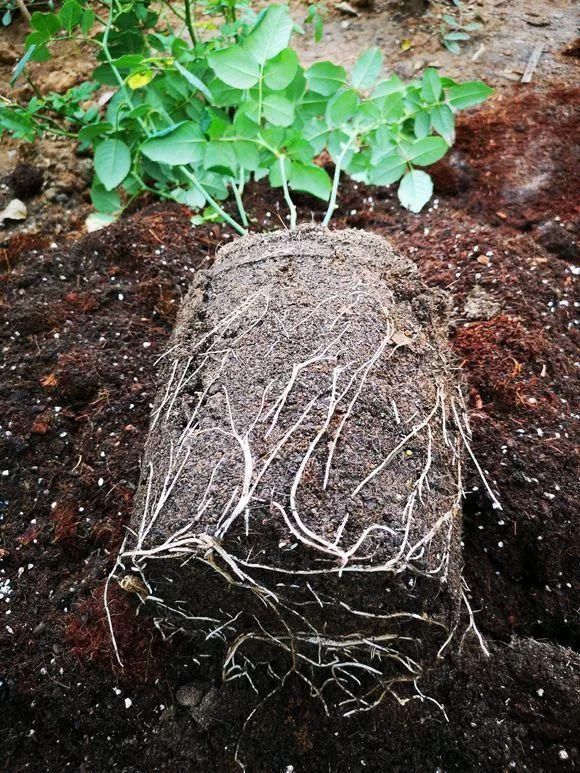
x: 191, y: 197
x: 47, y: 23
x: 315, y: 131
x: 393, y: 85
x: 70, y: 14
x: 367, y: 69
x: 468, y: 94
x: 275, y: 175
x: 431, y: 85
x: 87, y: 20
x: 422, y: 124
x: 443, y: 122
x: 367, y: 116
x: 235, y: 66
x: 312, y: 105
x: 194, y: 81
x: 424, y: 152
x: 271, y: 35
x: 415, y: 190
x: 457, y: 36
x: 310, y: 178
x: 88, y: 133
x: 390, y: 169
x: 19, y: 69
x: 104, y: 200
x: 279, y: 72
x: 183, y: 144
x: 220, y: 157
x: 247, y: 154
x: 359, y: 167
x: 325, y: 78
x: 278, y: 110
x: 341, y: 107
x: 224, y: 95
x: 392, y: 107
x: 112, y: 163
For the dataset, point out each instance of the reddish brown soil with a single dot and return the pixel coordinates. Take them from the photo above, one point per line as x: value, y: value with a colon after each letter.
x: 84, y: 324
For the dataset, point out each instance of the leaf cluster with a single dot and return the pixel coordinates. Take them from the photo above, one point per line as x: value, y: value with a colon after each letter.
x: 195, y: 120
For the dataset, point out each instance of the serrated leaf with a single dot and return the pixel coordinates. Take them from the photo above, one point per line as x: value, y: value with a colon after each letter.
x: 443, y: 122
x: 280, y: 71
x: 468, y: 94
x: 104, y: 200
x: 247, y: 154
x: 235, y: 66
x: 87, y: 20
x: 422, y: 124
x: 424, y: 152
x: 224, y: 95
x: 191, y: 197
x: 367, y: 69
x: 112, y: 163
x: 47, y: 23
x: 70, y: 14
x: 220, y: 157
x: 88, y: 133
x: 341, y: 107
x: 315, y: 132
x: 392, y: 85
x: 415, y: 190
x: 278, y: 110
x: 310, y: 178
x: 325, y: 78
x: 271, y: 35
x: 391, y: 107
x: 183, y: 144
x: 388, y: 170
x: 431, y: 85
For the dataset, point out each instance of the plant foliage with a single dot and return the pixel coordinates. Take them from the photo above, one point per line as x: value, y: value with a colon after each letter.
x: 195, y: 120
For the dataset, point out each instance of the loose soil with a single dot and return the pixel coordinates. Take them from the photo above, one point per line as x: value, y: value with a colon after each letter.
x: 86, y: 318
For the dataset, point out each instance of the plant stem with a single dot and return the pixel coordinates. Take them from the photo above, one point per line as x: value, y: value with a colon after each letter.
x: 23, y: 9
x: 335, y: 181
x: 212, y: 202
x: 287, y: 197
x: 189, y: 21
x: 240, y: 203
x: 188, y: 173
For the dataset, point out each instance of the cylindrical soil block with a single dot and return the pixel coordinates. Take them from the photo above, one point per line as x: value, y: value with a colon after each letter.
x: 299, y: 507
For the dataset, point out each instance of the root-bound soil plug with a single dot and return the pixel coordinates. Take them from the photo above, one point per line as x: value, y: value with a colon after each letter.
x: 299, y: 508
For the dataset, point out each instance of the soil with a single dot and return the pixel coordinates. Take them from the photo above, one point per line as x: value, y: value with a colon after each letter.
x: 327, y: 352
x: 85, y: 320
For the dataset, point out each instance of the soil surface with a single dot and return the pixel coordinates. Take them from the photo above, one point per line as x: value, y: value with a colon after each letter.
x: 85, y: 319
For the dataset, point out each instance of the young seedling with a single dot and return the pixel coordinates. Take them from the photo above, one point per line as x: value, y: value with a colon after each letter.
x: 196, y: 120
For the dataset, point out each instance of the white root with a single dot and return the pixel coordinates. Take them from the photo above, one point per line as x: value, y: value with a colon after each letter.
x: 354, y: 659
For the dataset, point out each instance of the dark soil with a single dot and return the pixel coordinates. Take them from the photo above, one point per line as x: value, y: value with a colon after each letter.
x: 84, y: 323
x: 370, y: 343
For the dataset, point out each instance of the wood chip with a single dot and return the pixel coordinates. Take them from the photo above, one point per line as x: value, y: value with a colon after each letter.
x: 347, y: 8
x: 532, y: 63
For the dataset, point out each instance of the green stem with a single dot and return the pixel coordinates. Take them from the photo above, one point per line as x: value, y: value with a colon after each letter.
x: 287, y: 197
x: 212, y: 202
x: 189, y: 22
x: 188, y: 173
x: 335, y: 181
x: 239, y: 203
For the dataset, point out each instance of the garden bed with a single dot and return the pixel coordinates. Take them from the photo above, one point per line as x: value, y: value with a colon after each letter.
x: 105, y: 305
